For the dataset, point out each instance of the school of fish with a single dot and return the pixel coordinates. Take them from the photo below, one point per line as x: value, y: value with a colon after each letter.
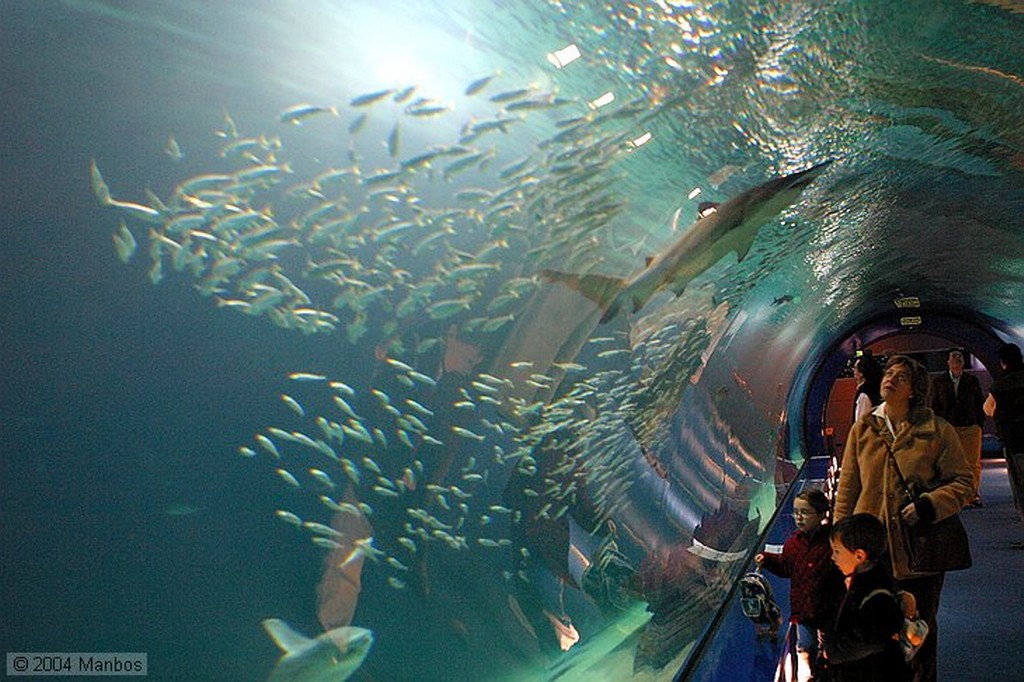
x: 455, y: 231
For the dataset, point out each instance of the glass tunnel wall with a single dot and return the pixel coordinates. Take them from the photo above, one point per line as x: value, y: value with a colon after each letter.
x: 559, y: 403
x: 504, y: 484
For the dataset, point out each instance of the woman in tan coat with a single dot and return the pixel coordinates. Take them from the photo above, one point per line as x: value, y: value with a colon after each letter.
x: 931, y: 459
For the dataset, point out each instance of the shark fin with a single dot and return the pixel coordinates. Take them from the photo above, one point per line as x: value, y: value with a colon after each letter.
x: 600, y: 289
x: 612, y: 310
x: 743, y: 249
x: 675, y: 219
x: 679, y: 285
x: 287, y: 639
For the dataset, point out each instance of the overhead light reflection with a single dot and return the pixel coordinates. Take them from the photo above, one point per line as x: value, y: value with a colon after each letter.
x: 642, y: 140
x: 567, y: 55
x: 720, y: 74
x: 606, y: 98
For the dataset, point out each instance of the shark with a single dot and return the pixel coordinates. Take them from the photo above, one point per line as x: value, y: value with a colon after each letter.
x: 331, y: 657
x: 727, y: 227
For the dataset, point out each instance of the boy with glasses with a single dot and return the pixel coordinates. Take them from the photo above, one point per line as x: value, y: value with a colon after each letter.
x: 815, y: 584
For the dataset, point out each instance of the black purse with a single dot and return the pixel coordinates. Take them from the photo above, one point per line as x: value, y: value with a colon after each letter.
x: 933, y: 547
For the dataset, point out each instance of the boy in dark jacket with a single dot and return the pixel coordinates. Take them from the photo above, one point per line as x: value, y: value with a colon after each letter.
x: 816, y: 586
x: 863, y: 642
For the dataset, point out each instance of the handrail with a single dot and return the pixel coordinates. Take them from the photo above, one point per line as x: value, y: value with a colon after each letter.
x: 692, y: 661
x: 804, y: 474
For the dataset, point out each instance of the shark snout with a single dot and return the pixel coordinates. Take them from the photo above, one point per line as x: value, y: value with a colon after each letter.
x: 806, y: 177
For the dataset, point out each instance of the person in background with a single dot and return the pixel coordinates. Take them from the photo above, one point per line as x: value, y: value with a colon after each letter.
x: 868, y: 375
x: 815, y: 583
x: 931, y: 459
x: 956, y: 397
x: 862, y: 645
x: 1005, y: 404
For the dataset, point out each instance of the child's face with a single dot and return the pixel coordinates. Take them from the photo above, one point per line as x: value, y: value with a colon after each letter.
x: 805, y: 516
x: 845, y: 560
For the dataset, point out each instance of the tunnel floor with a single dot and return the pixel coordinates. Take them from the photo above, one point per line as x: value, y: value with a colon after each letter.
x: 980, y: 626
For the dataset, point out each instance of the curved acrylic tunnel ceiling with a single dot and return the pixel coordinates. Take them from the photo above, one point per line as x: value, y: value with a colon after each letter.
x: 954, y: 243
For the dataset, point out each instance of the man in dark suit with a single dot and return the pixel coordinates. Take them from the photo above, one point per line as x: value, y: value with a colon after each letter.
x: 957, y: 398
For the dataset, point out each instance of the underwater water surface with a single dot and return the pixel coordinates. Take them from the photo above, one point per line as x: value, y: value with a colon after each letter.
x: 340, y: 313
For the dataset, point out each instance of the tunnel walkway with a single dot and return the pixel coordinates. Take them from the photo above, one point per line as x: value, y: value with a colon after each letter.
x: 980, y: 622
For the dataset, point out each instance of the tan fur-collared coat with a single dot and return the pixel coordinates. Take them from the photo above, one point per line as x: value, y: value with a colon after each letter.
x: 931, y: 458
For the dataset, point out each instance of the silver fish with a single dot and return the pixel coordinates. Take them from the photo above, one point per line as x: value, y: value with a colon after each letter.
x: 300, y: 112
x: 334, y: 655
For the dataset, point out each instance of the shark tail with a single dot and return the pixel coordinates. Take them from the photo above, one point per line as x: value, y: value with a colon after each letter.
x: 613, y: 309
x: 602, y: 290
x: 622, y: 297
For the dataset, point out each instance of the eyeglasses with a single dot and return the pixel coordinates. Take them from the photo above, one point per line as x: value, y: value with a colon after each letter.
x: 805, y: 512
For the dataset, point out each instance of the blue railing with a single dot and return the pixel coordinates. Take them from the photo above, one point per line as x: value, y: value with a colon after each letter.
x: 729, y: 648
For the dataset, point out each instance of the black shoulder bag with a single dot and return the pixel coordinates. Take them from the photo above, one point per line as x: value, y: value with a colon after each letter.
x: 933, y: 547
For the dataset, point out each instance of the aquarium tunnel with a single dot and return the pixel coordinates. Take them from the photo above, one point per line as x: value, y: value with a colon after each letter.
x: 416, y: 340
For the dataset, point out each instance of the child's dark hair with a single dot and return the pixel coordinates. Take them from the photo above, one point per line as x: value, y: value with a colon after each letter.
x: 816, y: 498
x: 860, y: 531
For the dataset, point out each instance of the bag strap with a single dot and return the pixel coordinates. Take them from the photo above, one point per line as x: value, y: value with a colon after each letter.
x: 875, y: 593
x: 899, y: 474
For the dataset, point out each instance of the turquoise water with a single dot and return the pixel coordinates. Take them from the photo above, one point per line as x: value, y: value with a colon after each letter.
x: 350, y: 365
